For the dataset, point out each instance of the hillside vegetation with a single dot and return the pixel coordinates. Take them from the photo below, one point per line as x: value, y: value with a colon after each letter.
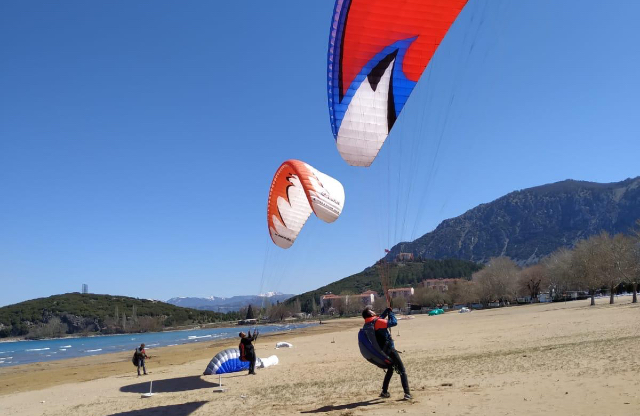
x: 74, y: 313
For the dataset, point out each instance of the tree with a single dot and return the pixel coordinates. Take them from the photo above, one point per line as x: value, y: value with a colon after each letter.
x: 609, y: 262
x: 634, y: 256
x: 531, y: 280
x: 399, y: 302
x: 462, y: 291
x: 626, y: 255
x: 425, y: 296
x: 354, y: 305
x: 250, y: 313
x: 557, y: 268
x: 277, y: 312
x: 339, y: 305
x: 585, y: 266
x: 497, y: 281
x: 379, y: 304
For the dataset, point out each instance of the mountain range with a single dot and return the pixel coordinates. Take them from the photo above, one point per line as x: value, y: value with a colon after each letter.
x: 234, y: 303
x: 529, y: 224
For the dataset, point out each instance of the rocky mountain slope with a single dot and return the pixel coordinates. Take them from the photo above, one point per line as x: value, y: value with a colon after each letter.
x: 529, y: 224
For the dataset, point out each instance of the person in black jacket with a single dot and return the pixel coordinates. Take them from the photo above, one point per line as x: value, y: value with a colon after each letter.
x: 141, y: 355
x: 247, y: 352
x: 382, y: 323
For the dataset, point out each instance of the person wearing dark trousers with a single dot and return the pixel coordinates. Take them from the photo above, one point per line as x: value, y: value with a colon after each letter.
x: 383, y: 337
x: 247, y: 352
x: 142, y: 355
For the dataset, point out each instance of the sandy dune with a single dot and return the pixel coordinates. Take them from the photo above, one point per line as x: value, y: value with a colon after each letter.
x: 557, y: 359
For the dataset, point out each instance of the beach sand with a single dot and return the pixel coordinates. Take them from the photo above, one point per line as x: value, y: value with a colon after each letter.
x: 545, y: 359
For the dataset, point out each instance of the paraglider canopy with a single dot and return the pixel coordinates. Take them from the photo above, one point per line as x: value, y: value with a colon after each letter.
x: 378, y: 49
x: 228, y: 361
x: 297, y: 190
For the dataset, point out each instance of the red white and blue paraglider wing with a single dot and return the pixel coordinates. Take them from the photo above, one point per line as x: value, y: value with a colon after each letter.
x: 378, y: 49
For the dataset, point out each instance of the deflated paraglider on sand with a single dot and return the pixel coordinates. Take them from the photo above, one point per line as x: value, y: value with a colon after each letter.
x: 228, y: 361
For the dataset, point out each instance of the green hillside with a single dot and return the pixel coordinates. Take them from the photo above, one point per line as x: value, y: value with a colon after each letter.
x: 73, y: 313
x: 401, y: 274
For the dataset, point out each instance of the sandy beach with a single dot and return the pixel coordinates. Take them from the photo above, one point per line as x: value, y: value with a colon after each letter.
x: 545, y: 359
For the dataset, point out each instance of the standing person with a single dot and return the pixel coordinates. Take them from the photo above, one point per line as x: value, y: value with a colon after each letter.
x: 382, y: 324
x: 141, y: 354
x: 247, y: 352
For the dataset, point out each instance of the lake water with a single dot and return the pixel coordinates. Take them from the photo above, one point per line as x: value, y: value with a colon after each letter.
x: 24, y: 352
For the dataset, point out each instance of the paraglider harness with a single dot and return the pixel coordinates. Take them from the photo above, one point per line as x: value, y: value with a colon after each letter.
x: 370, y: 348
x: 136, y: 357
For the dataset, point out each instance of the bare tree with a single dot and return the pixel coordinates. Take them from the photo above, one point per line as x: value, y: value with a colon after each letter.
x: 626, y: 255
x: 426, y: 296
x: 399, y: 302
x: 277, y: 312
x: 609, y: 261
x: 586, y: 266
x: 532, y: 280
x: 557, y: 267
x: 462, y: 291
x: 354, y: 305
x: 379, y: 303
x: 634, y: 253
x: 497, y: 281
x: 339, y: 305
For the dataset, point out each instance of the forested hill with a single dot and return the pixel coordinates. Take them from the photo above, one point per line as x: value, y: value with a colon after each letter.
x: 400, y: 274
x: 75, y: 313
x: 529, y: 224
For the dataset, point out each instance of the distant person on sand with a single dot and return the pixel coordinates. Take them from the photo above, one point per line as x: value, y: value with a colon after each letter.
x: 141, y: 354
x: 383, y: 336
x: 247, y: 353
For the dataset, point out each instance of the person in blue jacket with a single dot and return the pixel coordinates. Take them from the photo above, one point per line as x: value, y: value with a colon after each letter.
x: 383, y: 336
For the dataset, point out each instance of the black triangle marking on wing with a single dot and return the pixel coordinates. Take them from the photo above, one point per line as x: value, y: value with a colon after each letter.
x: 374, y: 78
x: 377, y: 72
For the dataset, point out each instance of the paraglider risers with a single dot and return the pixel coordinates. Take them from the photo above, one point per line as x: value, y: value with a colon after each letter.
x: 219, y: 389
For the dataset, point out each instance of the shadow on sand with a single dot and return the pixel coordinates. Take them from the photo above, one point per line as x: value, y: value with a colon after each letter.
x: 170, y: 410
x: 170, y: 385
x: 344, y: 406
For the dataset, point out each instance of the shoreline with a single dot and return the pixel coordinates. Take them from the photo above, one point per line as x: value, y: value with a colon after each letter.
x: 225, y: 324
x: 17, y: 378
x: 52, y: 349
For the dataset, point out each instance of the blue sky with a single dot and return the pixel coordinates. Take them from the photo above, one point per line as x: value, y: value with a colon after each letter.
x: 138, y: 139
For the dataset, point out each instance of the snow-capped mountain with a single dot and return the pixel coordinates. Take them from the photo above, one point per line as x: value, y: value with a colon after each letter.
x: 234, y: 303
